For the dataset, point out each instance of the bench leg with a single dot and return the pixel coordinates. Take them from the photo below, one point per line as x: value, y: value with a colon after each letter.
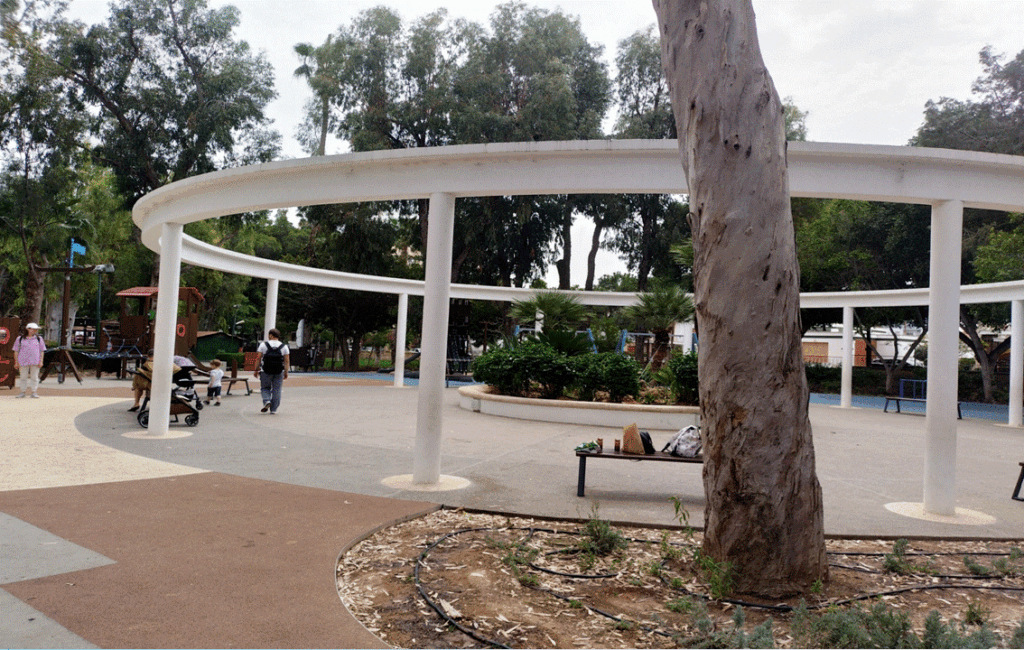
x: 1016, y: 491
x: 583, y: 477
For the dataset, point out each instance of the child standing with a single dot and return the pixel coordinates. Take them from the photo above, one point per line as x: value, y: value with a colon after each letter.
x: 213, y: 389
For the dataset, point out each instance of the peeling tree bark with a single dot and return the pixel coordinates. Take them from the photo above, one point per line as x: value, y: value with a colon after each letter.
x: 764, y: 507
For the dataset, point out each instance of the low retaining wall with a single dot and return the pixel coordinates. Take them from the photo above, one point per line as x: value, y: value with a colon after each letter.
x: 480, y: 399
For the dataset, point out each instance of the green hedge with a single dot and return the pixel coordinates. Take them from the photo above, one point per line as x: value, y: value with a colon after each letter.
x: 535, y: 366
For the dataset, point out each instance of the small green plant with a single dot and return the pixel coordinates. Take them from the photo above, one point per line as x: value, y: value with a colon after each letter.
x: 681, y: 605
x: 528, y: 580
x: 974, y: 568
x: 897, y: 562
x: 575, y: 604
x: 817, y: 587
x: 976, y: 614
x: 669, y: 552
x: 718, y: 575
x: 625, y: 625
x: 600, y: 537
x: 654, y: 568
x: 705, y: 632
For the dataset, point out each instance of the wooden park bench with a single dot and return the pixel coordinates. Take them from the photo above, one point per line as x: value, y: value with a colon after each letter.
x: 662, y: 456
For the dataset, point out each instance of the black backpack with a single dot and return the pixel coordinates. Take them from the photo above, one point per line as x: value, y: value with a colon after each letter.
x: 273, y: 360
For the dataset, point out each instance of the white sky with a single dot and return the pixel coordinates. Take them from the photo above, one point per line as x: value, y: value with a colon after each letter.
x: 861, y: 69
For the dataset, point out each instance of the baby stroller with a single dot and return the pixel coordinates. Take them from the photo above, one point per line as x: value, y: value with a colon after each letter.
x: 184, y: 400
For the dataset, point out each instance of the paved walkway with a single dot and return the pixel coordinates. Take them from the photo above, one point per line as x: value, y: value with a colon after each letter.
x: 228, y: 535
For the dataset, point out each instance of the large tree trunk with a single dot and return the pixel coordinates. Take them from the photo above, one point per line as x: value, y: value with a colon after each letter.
x: 986, y: 358
x: 595, y: 245
x: 764, y: 507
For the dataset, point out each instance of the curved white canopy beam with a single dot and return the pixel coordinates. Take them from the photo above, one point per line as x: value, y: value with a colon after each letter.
x: 945, y: 179
x: 876, y: 173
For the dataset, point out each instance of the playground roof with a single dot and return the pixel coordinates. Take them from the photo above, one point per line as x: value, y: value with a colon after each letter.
x: 142, y: 292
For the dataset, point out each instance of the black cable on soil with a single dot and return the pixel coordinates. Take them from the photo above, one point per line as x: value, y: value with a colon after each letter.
x: 776, y: 608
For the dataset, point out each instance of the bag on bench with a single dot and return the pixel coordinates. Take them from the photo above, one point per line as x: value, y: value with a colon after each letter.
x: 686, y: 443
x: 635, y: 441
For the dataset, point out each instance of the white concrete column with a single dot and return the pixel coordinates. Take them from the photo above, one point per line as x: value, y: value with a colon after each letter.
x: 163, y: 335
x: 943, y: 361
x: 846, y: 389
x: 403, y: 316
x: 1016, y: 363
x: 270, y: 313
x: 434, y: 344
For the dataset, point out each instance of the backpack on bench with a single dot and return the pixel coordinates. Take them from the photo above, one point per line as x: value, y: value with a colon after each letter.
x: 686, y: 443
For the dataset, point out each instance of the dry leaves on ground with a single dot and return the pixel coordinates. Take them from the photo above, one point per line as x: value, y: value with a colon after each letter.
x: 456, y: 580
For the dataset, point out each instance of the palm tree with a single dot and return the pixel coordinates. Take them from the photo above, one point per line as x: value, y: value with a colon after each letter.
x: 658, y: 310
x: 560, y: 311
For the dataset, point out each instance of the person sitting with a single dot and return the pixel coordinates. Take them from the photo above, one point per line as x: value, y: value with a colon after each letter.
x: 143, y: 380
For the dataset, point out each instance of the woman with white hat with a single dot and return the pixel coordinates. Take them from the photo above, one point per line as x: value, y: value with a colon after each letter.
x: 28, y: 358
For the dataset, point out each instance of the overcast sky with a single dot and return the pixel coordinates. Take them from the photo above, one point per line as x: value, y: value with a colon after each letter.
x: 861, y: 69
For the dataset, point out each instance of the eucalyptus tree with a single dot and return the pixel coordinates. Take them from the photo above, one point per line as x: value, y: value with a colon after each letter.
x: 764, y: 513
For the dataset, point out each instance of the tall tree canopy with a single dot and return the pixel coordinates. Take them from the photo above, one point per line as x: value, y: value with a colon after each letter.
x: 532, y: 76
x: 176, y: 94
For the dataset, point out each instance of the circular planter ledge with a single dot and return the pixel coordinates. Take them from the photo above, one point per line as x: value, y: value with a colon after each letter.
x: 480, y: 399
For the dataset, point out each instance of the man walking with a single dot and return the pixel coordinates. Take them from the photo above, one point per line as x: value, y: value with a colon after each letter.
x: 29, y: 350
x: 272, y: 370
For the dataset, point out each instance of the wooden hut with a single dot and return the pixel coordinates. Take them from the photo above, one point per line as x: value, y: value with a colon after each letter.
x: 138, y: 311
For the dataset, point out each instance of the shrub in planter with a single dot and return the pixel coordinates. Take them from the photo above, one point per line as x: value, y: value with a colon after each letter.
x: 545, y: 366
x: 588, y: 375
x: 615, y: 373
x: 684, y: 381
x: 621, y: 375
x: 496, y: 368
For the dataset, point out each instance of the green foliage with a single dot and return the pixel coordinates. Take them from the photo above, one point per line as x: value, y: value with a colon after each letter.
x: 684, y: 381
x: 570, y: 344
x: 878, y: 626
x: 720, y: 576
x: 560, y: 311
x: 169, y: 107
x: 513, y: 370
x: 600, y: 537
x: 897, y: 562
x: 705, y: 632
x: 608, y: 371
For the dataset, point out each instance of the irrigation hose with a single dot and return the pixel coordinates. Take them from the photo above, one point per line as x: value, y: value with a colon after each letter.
x: 777, y: 608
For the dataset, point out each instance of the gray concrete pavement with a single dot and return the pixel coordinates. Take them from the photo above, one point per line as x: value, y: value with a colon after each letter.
x: 348, y: 435
x: 83, y: 500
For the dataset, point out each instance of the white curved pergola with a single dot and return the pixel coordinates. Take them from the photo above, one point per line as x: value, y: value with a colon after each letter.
x: 947, y: 180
